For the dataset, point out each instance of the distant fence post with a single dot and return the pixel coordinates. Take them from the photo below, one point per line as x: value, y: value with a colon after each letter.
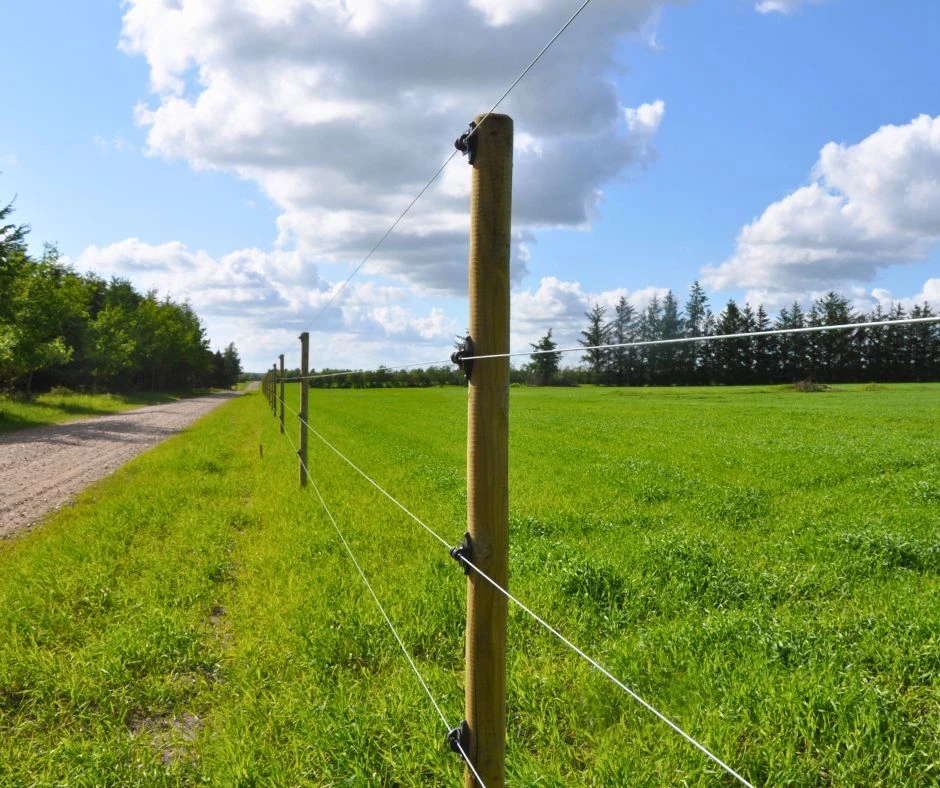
x: 304, y: 390
x: 273, y: 391
x: 488, y: 448
x: 281, y: 357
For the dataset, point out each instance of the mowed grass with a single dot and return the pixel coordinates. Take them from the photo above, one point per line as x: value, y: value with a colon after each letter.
x: 761, y: 565
x: 60, y: 407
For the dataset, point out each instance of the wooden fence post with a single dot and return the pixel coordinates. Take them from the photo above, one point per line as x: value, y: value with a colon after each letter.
x: 281, y: 357
x: 273, y: 390
x: 488, y: 448
x: 304, y: 386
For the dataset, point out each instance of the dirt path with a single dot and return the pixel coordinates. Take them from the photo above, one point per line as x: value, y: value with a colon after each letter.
x: 42, y: 468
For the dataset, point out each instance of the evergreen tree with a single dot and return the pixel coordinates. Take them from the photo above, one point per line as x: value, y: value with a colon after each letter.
x: 622, y: 330
x: 545, y: 363
x: 694, y: 353
x: 671, y: 326
x: 597, y: 333
x: 649, y: 329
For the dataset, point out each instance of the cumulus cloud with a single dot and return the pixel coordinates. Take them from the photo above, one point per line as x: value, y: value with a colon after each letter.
x: 340, y: 112
x: 870, y: 205
x: 560, y: 305
x: 783, y: 6
x: 261, y: 297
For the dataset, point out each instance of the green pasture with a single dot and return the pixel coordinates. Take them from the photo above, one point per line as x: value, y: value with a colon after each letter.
x: 759, y: 564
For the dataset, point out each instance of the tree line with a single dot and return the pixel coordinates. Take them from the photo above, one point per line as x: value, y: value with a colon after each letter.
x: 79, y: 331
x: 903, y: 353
x: 909, y: 352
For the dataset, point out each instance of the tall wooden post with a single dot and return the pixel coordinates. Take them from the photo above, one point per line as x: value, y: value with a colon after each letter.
x: 304, y: 389
x: 281, y: 357
x: 488, y: 449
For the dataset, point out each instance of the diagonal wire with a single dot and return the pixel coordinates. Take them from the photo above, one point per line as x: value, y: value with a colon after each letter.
x: 386, y: 234
x: 597, y: 666
x: 388, y: 621
x: 528, y: 68
x: 374, y: 483
x: 450, y: 158
x: 538, y: 619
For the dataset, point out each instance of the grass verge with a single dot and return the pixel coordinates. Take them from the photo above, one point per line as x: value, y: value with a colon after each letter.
x: 58, y: 408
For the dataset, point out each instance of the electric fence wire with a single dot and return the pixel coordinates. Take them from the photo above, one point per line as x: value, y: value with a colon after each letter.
x: 372, y: 481
x: 449, y: 159
x: 385, y: 615
x: 597, y: 666
x: 528, y: 68
x: 636, y: 344
x: 535, y: 617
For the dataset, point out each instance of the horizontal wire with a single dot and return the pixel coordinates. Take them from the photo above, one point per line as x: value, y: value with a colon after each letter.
x: 385, y: 615
x: 607, y: 673
x: 541, y: 621
x: 374, y: 483
x: 635, y: 344
x: 712, y: 337
x: 323, y: 375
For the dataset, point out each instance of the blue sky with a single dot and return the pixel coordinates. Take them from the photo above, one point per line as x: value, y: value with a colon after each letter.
x: 246, y: 154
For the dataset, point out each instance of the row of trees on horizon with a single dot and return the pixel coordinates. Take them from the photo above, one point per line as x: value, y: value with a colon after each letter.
x: 902, y: 353
x: 909, y: 352
x: 78, y: 331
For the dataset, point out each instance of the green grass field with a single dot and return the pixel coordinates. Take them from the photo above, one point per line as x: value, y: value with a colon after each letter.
x: 761, y: 565
x: 59, y: 407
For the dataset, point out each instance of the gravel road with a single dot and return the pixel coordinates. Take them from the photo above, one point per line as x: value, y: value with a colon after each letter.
x: 42, y: 468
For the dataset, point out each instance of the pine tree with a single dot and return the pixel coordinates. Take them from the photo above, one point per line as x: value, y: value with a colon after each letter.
x: 597, y: 333
x: 545, y: 363
x: 622, y: 329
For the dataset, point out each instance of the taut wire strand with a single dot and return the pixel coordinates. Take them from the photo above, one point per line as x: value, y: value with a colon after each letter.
x: 381, y: 608
x: 640, y: 343
x: 374, y: 483
x: 528, y: 68
x: 449, y: 159
x: 607, y: 673
x: 715, y: 337
x: 596, y: 665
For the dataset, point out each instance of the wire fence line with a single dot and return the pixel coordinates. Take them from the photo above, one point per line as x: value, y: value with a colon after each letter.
x: 635, y: 344
x: 385, y: 615
x: 371, y: 481
x: 511, y: 598
x: 473, y: 130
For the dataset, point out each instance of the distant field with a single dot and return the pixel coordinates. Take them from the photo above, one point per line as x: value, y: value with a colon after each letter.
x: 761, y: 565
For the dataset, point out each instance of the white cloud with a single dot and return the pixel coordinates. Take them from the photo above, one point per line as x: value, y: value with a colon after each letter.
x: 929, y: 294
x: 117, y: 144
x: 342, y: 111
x: 258, y: 298
x: 783, y: 6
x: 561, y: 305
x: 870, y: 206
